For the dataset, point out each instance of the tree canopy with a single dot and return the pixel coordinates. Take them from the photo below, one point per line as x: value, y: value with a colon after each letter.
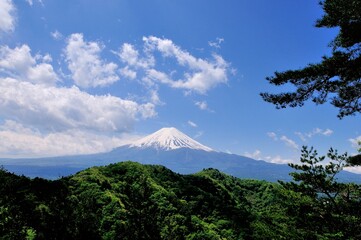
x: 337, y: 78
x: 328, y: 209
x: 132, y: 201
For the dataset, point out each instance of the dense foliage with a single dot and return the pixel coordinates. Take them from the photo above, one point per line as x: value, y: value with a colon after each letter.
x: 336, y: 78
x: 133, y: 201
x: 125, y: 201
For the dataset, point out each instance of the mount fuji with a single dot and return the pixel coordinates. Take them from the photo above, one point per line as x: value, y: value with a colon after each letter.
x: 168, y: 147
x: 169, y: 139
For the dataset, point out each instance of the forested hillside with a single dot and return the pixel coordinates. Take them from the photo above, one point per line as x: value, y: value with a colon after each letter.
x: 133, y: 201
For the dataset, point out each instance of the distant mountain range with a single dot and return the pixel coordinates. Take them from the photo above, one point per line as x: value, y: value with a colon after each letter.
x: 168, y: 147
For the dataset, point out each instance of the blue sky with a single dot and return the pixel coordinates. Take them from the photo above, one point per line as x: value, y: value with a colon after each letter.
x: 86, y: 76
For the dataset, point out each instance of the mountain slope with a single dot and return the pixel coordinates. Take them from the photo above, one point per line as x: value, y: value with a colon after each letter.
x: 169, y: 139
x: 186, y: 161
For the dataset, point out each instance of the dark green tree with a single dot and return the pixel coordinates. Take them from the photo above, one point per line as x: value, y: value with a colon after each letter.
x: 337, y: 78
x: 325, y: 208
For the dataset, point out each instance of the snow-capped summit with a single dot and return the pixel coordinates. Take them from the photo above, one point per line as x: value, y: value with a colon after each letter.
x: 169, y: 139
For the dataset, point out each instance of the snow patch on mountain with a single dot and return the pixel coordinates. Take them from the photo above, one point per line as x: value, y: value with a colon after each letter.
x: 169, y: 139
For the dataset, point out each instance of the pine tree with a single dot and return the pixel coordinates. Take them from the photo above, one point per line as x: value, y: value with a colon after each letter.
x: 337, y: 78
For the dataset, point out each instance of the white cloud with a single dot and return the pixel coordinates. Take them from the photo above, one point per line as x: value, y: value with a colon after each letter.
x: 217, y: 43
x: 278, y: 160
x: 199, y: 134
x: 355, y: 142
x: 301, y: 136
x: 86, y: 65
x: 272, y: 135
x: 7, y: 16
x: 158, y: 76
x: 43, y: 119
x: 188, y: 72
x: 19, y: 63
x: 20, y: 141
x: 289, y: 142
x: 129, y: 55
x: 154, y: 97
x: 59, y: 109
x: 30, y: 2
x: 202, y: 105
x: 128, y: 73
x: 356, y: 169
x: 192, y: 124
x: 46, y: 58
x: 327, y: 132
x: 317, y: 131
x: 200, y: 75
x: 56, y: 35
x: 286, y: 140
x: 255, y: 155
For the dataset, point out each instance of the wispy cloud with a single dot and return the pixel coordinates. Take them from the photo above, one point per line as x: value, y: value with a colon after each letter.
x: 272, y: 135
x: 327, y: 132
x: 289, y: 142
x: 56, y: 35
x: 7, y: 16
x: 301, y: 136
x: 355, y: 142
x: 192, y: 124
x: 30, y: 2
x: 317, y: 131
x: 200, y: 76
x: 154, y: 97
x: 128, y: 73
x: 257, y: 155
x: 278, y: 159
x: 194, y: 74
x: 87, y: 67
x: 145, y: 65
x: 203, y: 105
x: 129, y: 55
x: 217, y: 43
x: 199, y: 134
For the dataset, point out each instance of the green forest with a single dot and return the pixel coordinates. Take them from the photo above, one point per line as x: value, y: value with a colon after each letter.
x: 129, y: 200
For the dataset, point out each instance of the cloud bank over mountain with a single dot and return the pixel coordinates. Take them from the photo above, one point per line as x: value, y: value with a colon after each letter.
x: 41, y: 101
